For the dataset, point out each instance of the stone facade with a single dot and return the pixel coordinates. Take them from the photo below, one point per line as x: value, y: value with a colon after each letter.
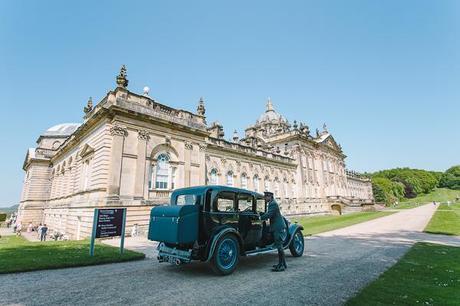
x: 132, y: 151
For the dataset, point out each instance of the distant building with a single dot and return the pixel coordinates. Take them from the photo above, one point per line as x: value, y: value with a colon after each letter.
x: 132, y: 151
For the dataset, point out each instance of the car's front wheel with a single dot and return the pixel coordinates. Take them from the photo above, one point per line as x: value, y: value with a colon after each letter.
x: 226, y: 255
x: 297, y: 245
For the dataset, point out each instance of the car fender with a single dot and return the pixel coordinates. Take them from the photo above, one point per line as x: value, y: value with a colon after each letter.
x: 293, y: 228
x: 217, y: 236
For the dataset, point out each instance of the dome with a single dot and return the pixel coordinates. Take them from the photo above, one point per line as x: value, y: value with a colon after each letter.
x: 63, y: 129
x: 271, y: 115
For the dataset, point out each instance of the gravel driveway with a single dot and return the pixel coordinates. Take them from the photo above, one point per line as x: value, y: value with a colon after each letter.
x: 334, y: 267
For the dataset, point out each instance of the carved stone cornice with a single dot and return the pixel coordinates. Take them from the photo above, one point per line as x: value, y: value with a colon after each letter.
x: 143, y: 135
x: 117, y: 130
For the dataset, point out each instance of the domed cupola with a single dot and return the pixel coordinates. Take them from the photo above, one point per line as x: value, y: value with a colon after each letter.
x: 270, y: 115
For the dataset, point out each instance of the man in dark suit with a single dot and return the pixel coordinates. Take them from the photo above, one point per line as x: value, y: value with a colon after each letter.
x: 277, y: 227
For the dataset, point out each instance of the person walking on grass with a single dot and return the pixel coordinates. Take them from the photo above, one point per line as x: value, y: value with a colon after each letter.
x: 18, y: 229
x: 43, y: 232
x: 39, y: 231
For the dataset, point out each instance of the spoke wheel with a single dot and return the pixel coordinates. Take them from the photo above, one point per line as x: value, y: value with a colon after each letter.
x: 226, y: 255
x: 297, y: 245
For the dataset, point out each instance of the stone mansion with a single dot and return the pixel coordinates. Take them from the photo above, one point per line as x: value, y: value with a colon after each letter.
x: 132, y: 151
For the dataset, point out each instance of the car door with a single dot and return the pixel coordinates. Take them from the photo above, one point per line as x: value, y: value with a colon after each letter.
x: 249, y: 223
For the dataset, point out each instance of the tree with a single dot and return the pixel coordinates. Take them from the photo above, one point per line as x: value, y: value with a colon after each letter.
x: 415, y: 181
x: 451, y: 178
x: 387, y: 191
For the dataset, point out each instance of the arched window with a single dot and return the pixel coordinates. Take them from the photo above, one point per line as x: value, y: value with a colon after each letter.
x: 256, y: 183
x: 277, y: 187
x: 286, y: 189
x: 267, y: 183
x: 230, y: 178
x: 244, y: 181
x: 213, y: 177
x: 162, y: 172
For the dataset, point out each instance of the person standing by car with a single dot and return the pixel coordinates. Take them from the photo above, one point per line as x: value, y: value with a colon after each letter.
x: 277, y: 227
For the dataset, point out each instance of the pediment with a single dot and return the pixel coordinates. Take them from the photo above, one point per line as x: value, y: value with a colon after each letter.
x: 87, y: 150
x: 331, y: 143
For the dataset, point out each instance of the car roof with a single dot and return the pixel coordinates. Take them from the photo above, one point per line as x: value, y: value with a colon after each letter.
x: 204, y: 189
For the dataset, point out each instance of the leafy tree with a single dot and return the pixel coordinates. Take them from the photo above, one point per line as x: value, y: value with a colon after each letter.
x: 451, y: 178
x: 415, y: 181
x: 387, y: 191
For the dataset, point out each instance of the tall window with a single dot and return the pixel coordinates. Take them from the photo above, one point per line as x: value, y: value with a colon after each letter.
x: 244, y: 181
x: 162, y: 172
x: 86, y: 173
x: 255, y: 181
x: 173, y: 178
x: 213, y: 177
x: 229, y: 178
x: 267, y: 184
x: 277, y: 188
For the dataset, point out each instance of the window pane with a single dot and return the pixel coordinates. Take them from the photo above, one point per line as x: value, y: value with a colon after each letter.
x: 225, y: 202
x: 260, y: 205
x: 245, y: 202
x: 230, y: 178
x: 213, y: 178
x: 162, y: 172
x: 244, y: 182
x: 187, y: 199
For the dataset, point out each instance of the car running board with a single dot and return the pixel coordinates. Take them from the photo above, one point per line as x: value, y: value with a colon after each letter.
x: 260, y: 251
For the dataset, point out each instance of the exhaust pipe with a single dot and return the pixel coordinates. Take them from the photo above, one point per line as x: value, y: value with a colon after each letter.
x: 178, y: 262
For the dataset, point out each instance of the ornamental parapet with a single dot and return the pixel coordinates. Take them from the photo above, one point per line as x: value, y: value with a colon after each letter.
x: 148, y: 107
x: 249, y: 150
x: 356, y: 175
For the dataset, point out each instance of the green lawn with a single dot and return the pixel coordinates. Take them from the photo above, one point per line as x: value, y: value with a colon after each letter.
x: 318, y: 224
x: 20, y: 255
x: 428, y: 274
x: 446, y: 220
x: 438, y: 195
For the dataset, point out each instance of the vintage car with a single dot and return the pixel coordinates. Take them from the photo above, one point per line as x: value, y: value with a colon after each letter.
x: 216, y: 224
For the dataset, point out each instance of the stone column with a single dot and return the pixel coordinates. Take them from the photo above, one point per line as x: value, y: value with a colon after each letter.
x: 142, y: 139
x: 203, y: 169
x: 188, y: 166
x: 118, y: 138
x: 301, y: 175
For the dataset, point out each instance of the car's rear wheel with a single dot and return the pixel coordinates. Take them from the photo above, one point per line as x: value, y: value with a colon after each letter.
x: 226, y: 255
x: 297, y: 245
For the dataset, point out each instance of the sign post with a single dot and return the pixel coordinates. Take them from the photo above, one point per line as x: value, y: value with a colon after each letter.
x: 108, y: 222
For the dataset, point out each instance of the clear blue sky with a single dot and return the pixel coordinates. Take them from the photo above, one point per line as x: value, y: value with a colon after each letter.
x: 384, y: 75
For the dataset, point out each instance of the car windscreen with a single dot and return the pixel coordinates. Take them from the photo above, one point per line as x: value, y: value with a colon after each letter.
x: 187, y: 199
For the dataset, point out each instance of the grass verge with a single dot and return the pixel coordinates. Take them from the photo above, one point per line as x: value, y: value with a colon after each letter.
x: 446, y: 220
x: 428, y: 274
x: 438, y: 195
x: 319, y: 224
x: 19, y: 255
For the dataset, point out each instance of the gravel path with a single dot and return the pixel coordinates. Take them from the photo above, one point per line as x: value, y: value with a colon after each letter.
x: 335, y: 266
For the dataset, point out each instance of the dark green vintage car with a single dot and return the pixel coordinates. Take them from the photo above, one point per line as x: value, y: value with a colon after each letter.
x: 216, y: 224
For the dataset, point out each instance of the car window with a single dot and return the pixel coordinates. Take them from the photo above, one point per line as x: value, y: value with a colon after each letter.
x: 245, y: 202
x: 187, y: 199
x: 260, y: 205
x: 225, y: 202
